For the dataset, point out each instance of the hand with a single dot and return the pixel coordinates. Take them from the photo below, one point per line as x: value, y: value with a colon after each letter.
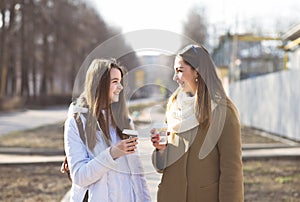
x: 155, y: 140
x: 123, y: 147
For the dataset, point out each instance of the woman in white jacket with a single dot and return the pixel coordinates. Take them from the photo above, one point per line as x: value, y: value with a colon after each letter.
x: 105, y: 164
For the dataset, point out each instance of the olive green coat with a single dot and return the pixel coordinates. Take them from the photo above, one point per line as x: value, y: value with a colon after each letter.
x: 217, y: 177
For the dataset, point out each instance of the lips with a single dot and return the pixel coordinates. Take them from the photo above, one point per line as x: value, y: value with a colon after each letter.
x: 181, y: 83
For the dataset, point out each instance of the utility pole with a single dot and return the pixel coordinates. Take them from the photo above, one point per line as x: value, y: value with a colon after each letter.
x: 233, y: 71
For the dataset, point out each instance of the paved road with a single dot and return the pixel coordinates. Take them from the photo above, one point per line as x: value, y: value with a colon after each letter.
x: 23, y: 120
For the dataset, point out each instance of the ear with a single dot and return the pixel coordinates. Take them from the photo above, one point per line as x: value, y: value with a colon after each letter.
x: 195, y: 73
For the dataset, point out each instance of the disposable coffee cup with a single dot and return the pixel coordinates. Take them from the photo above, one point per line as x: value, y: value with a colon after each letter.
x: 161, y: 129
x: 130, y: 133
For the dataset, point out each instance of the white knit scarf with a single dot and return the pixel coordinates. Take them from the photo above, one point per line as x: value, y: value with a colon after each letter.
x: 181, y: 115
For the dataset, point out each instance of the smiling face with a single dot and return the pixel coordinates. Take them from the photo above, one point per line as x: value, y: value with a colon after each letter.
x: 115, y: 85
x: 185, y: 76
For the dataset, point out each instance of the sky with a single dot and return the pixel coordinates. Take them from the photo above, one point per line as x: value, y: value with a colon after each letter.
x: 221, y: 15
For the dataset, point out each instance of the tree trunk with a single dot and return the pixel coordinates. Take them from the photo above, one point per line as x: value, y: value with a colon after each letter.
x: 33, y: 19
x: 11, y: 55
x: 2, y: 48
x: 44, y: 84
x: 24, y: 60
x: 11, y: 75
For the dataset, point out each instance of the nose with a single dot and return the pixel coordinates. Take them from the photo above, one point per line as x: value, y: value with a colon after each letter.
x: 120, y: 86
x: 175, y: 77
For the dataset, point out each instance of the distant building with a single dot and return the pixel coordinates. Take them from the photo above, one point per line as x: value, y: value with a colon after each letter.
x: 153, y: 78
x: 243, y: 56
x: 291, y: 42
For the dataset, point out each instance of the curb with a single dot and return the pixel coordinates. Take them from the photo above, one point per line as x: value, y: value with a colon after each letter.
x: 268, y: 153
x: 31, y: 151
x: 29, y: 159
x: 267, y: 146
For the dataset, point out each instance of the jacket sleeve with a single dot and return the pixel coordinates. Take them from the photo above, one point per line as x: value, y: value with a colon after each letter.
x: 231, y: 186
x: 159, y: 160
x: 84, y: 170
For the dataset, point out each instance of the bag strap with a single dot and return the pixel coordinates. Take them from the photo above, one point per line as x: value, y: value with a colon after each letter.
x: 65, y: 167
x: 79, y: 126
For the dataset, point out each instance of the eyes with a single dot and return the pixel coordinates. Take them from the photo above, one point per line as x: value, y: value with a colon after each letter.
x: 115, y: 81
x: 116, y: 84
x: 178, y: 70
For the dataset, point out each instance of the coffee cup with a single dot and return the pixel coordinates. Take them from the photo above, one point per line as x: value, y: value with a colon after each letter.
x: 130, y: 133
x: 161, y: 130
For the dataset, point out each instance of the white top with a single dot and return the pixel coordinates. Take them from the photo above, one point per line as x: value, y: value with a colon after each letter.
x: 106, y: 179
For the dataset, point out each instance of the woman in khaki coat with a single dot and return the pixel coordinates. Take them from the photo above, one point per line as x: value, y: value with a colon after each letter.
x: 202, y: 160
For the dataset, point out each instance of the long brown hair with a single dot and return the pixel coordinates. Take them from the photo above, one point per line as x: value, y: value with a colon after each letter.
x: 209, y: 86
x: 100, y: 109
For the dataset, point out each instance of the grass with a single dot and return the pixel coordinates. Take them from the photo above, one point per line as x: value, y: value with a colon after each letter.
x: 272, y: 180
x: 50, y: 137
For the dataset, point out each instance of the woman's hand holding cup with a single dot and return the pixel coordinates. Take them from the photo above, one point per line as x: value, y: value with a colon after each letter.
x: 159, y: 136
x: 126, y: 146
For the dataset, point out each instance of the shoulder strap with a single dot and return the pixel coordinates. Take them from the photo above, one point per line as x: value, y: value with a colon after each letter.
x: 79, y: 126
x: 65, y: 167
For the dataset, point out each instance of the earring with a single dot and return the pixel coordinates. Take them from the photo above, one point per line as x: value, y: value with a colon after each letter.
x: 196, y: 80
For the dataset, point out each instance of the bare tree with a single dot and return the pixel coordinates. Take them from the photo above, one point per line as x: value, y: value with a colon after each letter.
x: 44, y: 42
x: 2, y: 45
x: 195, y: 26
x: 24, y: 50
x: 10, y: 85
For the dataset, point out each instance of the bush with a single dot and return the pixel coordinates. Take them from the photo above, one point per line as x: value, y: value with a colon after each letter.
x: 50, y: 100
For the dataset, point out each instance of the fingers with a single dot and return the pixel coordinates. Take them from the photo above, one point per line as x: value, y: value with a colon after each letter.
x: 129, y: 145
x: 155, y: 142
x: 131, y: 139
x: 130, y: 149
x: 155, y: 138
x: 152, y: 131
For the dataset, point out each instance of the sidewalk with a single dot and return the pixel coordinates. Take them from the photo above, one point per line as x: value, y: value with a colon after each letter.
x: 31, y: 118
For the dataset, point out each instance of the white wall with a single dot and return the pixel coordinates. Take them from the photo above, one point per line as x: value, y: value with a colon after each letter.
x: 294, y: 59
x: 270, y: 102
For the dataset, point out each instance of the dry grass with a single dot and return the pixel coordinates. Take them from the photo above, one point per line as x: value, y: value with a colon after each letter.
x: 32, y: 183
x: 272, y: 180
x: 50, y: 137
